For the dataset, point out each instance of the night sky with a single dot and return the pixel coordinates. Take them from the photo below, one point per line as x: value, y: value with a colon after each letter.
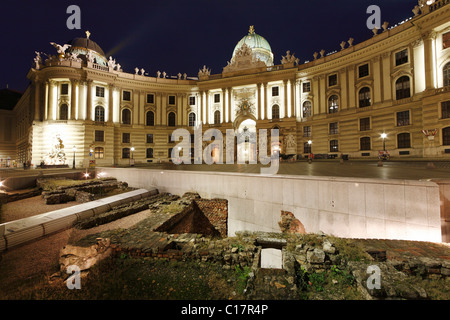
x: 183, y: 35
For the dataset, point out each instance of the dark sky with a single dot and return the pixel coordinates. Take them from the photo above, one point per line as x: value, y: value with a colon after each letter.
x: 183, y: 35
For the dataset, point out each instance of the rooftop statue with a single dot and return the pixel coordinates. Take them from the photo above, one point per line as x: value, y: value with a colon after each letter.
x: 60, y: 49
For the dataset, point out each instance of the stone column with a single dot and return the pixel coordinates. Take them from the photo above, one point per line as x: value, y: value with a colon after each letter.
x: 258, y: 100
x: 297, y: 99
x: 428, y: 39
x: 37, y: 101
x: 111, y: 103
x: 73, y: 98
x: 51, y: 99
x: 89, y: 101
x: 386, y: 71
x: 376, y: 71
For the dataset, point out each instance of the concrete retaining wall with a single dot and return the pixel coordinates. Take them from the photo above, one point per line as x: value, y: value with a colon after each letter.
x: 344, y: 207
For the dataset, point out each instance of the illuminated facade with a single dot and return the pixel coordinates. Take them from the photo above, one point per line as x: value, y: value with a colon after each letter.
x: 397, y: 83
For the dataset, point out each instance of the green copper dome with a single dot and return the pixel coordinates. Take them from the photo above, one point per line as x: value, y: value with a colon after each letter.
x: 260, y: 47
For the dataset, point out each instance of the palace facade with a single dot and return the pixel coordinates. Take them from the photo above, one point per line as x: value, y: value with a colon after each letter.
x: 390, y: 92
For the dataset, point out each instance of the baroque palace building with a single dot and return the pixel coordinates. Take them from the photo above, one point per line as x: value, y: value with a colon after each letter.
x: 396, y: 83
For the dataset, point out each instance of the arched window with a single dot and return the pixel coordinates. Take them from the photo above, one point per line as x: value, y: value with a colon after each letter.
x: 333, y: 104
x: 446, y: 71
x: 99, y: 114
x: 404, y: 140
x: 402, y: 88
x: 126, y: 116
x: 171, y: 119
x: 150, y: 118
x: 364, y: 97
x: 64, y: 112
x: 364, y: 143
x: 217, y: 117
x: 275, y: 112
x: 307, y: 109
x: 98, y: 153
x: 192, y: 119
x: 446, y: 136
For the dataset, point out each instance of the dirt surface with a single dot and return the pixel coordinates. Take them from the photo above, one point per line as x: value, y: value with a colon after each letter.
x: 32, y: 260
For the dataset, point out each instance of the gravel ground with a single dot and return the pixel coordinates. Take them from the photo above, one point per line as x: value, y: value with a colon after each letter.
x: 40, y: 257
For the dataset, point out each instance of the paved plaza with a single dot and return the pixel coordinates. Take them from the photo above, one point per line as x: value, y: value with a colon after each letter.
x: 408, y: 170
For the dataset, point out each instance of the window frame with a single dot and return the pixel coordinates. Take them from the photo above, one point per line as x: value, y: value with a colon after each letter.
x: 127, y: 119
x: 126, y: 137
x: 170, y: 120
x: 400, y: 60
x: 400, y: 145
x: 99, y: 153
x: 97, y: 136
x: 401, y: 120
x: 335, y: 107
x: 403, y: 92
x: 100, y: 91
x: 366, y: 65
x: 99, y: 114
x: 66, y: 112
x: 128, y: 92
x: 367, y: 145
x: 276, y: 113
x: 333, y: 77
x: 336, y: 144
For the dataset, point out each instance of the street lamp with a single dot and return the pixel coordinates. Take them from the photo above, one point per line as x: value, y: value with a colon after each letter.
x: 383, y: 136
x: 310, y: 153
x: 132, y: 159
x: 74, y: 149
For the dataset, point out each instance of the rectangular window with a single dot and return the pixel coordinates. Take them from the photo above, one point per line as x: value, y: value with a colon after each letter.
x: 307, y: 131
x: 126, y: 95
x: 150, y: 98
x: 403, y: 118
x: 149, y: 138
x: 446, y: 40
x: 306, y: 147
x: 65, y: 88
x: 99, y: 135
x: 126, y: 153
x: 334, y: 128
x: 404, y: 140
x: 334, y: 146
x: 192, y: 101
x: 126, y: 138
x: 363, y: 71
x: 306, y: 87
x: 98, y: 153
x: 275, y: 91
x: 401, y: 57
x: 150, y: 153
x: 172, y: 100
x: 364, y: 124
x: 332, y: 80
x: 445, y: 108
x: 99, y: 92
x: 217, y: 98
x: 365, y: 143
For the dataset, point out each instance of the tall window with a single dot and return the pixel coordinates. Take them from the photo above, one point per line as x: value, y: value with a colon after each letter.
x: 446, y: 71
x: 446, y: 136
x: 126, y: 116
x: 217, y: 98
x: 364, y: 143
x: 404, y: 140
x: 401, y: 57
x: 99, y: 114
x: 192, y: 100
x: 307, y: 131
x: 217, y: 117
x: 172, y: 100
x: 149, y: 153
x: 402, y: 88
x: 334, y: 146
x: 126, y: 153
x: 306, y: 87
x: 333, y: 104
x: 126, y: 137
x: 63, y: 112
x: 445, y: 108
x: 306, y: 148
x: 98, y: 153
x: 307, y: 109
x: 403, y: 118
x: 446, y: 40
x: 364, y: 124
x: 192, y: 119
x: 149, y: 138
x: 150, y: 118
x: 150, y: 98
x: 364, y: 97
x: 171, y: 119
x: 275, y: 112
x: 334, y: 128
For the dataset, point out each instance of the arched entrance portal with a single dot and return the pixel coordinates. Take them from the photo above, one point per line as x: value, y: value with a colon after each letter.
x: 246, y: 141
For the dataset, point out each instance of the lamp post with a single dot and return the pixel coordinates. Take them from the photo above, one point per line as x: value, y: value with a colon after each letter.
x: 383, y: 136
x: 132, y: 159
x: 74, y: 149
x: 310, y: 151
